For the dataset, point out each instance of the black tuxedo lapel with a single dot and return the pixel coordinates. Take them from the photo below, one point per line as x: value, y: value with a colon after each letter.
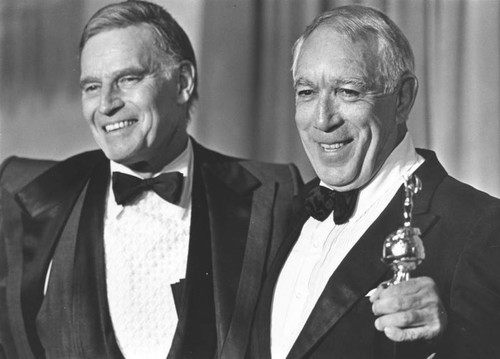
x: 240, y: 271
x: 195, y: 335
x: 261, y: 334
x: 432, y: 174
x: 91, y: 326
x: 32, y: 225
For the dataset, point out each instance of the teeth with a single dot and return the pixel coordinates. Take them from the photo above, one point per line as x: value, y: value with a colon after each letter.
x: 332, y: 147
x: 117, y: 125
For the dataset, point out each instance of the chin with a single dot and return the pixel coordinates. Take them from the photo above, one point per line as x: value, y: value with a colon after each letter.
x: 117, y: 157
x: 340, y: 179
x: 331, y: 179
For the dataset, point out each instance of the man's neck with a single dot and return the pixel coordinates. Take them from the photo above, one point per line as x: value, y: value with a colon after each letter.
x: 181, y: 160
x: 148, y: 169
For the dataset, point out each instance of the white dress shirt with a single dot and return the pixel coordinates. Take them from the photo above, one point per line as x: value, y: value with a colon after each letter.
x: 322, y: 246
x: 146, y: 248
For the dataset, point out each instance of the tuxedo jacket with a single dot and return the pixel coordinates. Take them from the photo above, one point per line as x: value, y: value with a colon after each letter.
x: 461, y: 234
x: 239, y: 213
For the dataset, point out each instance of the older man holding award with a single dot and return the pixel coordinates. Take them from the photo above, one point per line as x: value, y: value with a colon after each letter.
x: 378, y: 203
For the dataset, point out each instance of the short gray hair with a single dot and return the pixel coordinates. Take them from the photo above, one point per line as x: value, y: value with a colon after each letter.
x: 358, y: 22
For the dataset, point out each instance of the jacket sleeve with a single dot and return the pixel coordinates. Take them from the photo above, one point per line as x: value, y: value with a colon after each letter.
x: 5, y: 334
x: 474, y: 318
x: 15, y: 173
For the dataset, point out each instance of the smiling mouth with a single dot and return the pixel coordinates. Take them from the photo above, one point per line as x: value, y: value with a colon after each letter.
x: 118, y: 125
x: 334, y: 146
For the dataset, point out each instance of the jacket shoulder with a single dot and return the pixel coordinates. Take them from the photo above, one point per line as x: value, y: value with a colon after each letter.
x: 455, y: 194
x: 17, y: 172
x: 287, y: 175
x: 449, y: 196
x: 278, y: 172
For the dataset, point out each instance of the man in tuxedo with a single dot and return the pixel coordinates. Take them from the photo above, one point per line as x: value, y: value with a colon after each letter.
x: 140, y: 249
x: 353, y: 73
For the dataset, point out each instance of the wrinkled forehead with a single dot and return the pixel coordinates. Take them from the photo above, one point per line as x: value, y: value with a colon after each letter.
x: 326, y: 49
x: 119, y: 49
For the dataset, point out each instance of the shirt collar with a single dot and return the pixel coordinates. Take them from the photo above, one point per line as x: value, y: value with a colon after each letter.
x: 402, y: 162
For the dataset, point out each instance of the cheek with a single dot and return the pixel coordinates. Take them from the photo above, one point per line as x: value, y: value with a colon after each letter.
x: 304, y: 133
x: 162, y: 117
x: 89, y: 106
x: 154, y: 103
x: 380, y: 144
x: 384, y: 119
x: 383, y: 129
x: 303, y: 119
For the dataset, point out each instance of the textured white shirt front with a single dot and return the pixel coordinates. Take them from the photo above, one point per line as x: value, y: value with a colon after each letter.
x: 146, y: 248
x: 322, y: 246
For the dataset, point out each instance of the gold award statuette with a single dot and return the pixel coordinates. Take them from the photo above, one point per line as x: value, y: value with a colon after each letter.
x: 403, y: 250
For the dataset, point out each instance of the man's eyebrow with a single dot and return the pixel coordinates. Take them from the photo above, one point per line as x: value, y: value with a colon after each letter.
x: 359, y: 83
x: 87, y: 80
x: 302, y: 82
x: 133, y: 70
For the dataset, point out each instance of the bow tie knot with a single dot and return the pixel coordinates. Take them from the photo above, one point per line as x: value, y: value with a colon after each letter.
x: 167, y: 185
x: 321, y: 201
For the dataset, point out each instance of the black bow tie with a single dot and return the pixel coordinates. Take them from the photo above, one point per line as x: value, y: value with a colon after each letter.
x: 321, y: 201
x: 167, y: 185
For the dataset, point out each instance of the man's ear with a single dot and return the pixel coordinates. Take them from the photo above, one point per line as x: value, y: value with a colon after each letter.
x: 407, y: 92
x: 185, y: 82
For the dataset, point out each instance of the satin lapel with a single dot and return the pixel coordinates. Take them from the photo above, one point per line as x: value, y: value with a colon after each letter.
x: 55, y: 315
x: 261, y: 331
x: 195, y: 332
x: 32, y: 228
x: 252, y: 269
x: 92, y: 328
x: 431, y: 174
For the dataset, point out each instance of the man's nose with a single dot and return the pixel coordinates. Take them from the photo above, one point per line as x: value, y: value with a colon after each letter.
x: 327, y: 113
x: 110, y: 101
